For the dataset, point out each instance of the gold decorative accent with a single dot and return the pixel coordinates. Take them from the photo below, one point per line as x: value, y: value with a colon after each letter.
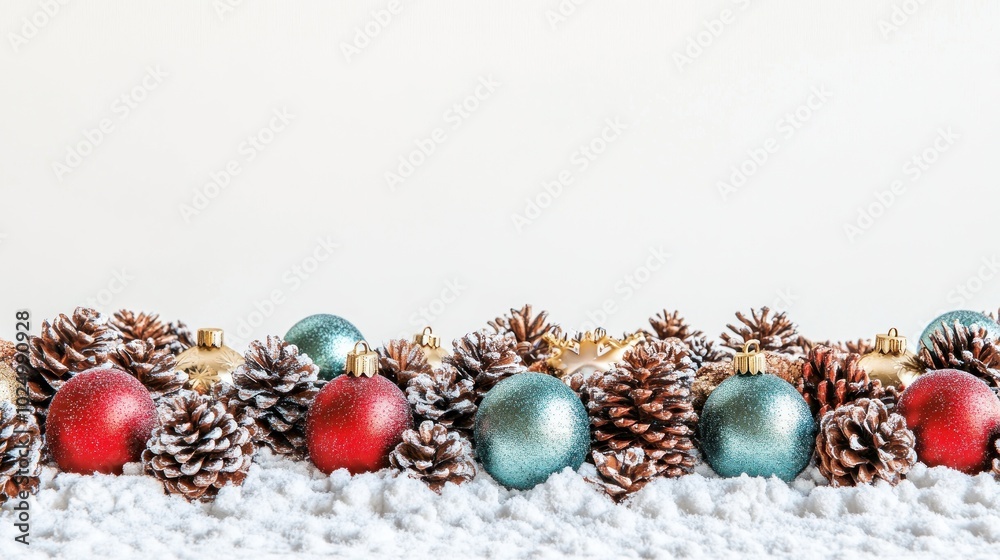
x: 588, y: 352
x: 209, y: 362
x: 751, y: 360
x: 362, y: 363
x: 430, y: 343
x: 890, y: 362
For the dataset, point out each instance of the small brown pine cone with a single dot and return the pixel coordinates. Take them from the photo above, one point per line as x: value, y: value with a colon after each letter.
x: 20, y: 452
x: 862, y: 441
x: 65, y: 347
x: 994, y: 452
x: 623, y: 473
x: 831, y: 379
x: 776, y: 333
x: 401, y: 360
x: 274, y: 388
x: 173, y: 337
x: 434, y: 455
x: 198, y: 448
x: 668, y: 324
x: 152, y: 366
x: 486, y: 358
x: 969, y: 350
x: 645, y: 401
x: 528, y: 330
x: 704, y: 351
x: 860, y: 346
x: 444, y: 397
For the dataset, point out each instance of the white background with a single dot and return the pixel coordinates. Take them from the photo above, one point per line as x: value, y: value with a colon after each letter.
x: 889, y: 81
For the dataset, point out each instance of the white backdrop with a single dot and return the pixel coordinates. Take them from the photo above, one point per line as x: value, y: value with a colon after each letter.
x: 245, y: 164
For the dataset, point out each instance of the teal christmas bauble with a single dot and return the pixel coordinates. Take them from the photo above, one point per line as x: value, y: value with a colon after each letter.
x: 970, y: 319
x: 326, y: 339
x: 758, y: 425
x: 529, y: 426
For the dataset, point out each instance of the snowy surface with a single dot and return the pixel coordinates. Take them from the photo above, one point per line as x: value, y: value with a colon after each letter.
x: 289, y: 509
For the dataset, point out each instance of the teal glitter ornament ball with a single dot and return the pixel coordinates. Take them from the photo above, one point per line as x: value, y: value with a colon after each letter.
x: 326, y: 339
x: 529, y: 426
x: 758, y: 425
x: 970, y: 319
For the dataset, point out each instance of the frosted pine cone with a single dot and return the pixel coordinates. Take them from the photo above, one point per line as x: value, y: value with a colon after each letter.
x: 776, y: 333
x: 444, y: 397
x: 969, y: 350
x: 529, y: 332
x: 198, y: 448
x: 20, y: 452
x: 671, y: 325
x: 173, y: 337
x: 435, y: 455
x: 623, y: 473
x: 861, y: 442
x: 831, y: 379
x: 153, y: 367
x: 401, y: 360
x: 486, y: 358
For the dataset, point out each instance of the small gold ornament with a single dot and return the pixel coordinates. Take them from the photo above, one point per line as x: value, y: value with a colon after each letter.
x: 361, y: 363
x: 209, y: 362
x: 890, y: 362
x: 431, y: 345
x: 588, y: 352
x: 8, y: 372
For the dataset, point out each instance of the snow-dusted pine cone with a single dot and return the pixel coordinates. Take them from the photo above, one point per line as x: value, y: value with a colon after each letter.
x: 401, y: 360
x: 445, y: 397
x: 152, y: 366
x: 529, y: 331
x: 776, y: 333
x: 831, y: 379
x: 198, y: 448
x: 645, y: 401
x: 20, y: 452
x: 65, y: 347
x: 173, y: 337
x: 623, y: 473
x: 862, y: 441
x: 859, y: 346
x: 434, y: 455
x: 668, y: 324
x: 486, y: 358
x: 995, y: 457
x: 274, y: 388
x: 970, y: 350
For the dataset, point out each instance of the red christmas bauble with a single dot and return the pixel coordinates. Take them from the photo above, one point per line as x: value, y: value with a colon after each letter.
x: 355, y: 422
x: 953, y: 415
x: 98, y: 421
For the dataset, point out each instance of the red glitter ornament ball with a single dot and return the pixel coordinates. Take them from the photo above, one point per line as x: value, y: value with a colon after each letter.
x: 953, y: 415
x: 98, y: 421
x: 355, y: 422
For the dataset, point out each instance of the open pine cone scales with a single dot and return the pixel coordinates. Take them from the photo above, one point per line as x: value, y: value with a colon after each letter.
x: 445, y: 397
x: 198, y: 448
x: 529, y: 332
x: 274, y: 388
x: 486, y: 358
x: 776, y: 333
x: 173, y: 337
x: 831, y: 378
x: 20, y: 452
x: 860, y: 442
x: 152, y: 366
x: 623, y: 472
x: 401, y: 360
x: 970, y: 350
x: 435, y: 455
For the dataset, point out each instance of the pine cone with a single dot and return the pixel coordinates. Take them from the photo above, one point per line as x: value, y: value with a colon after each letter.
x: 401, y: 360
x: 274, y: 388
x: 486, y: 358
x: 645, y: 401
x: 66, y: 346
x: 994, y: 452
x: 433, y: 454
x: 704, y: 350
x: 20, y: 452
x: 969, y: 350
x: 445, y: 397
x: 862, y: 441
x: 529, y: 331
x: 173, y: 337
x: 671, y: 325
x: 860, y: 346
x: 198, y: 448
x: 152, y: 366
x: 831, y: 379
x: 777, y: 333
x: 624, y: 472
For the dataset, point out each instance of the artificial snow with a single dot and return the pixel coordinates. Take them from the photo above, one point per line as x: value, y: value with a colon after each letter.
x: 290, y: 509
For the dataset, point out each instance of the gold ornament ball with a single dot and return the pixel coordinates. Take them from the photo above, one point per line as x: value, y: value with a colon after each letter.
x: 430, y: 343
x: 208, y: 363
x: 890, y: 362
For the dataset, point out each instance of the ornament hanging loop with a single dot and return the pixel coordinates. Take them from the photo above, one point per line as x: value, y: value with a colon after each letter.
x: 427, y: 338
x: 751, y: 360
x: 364, y: 362
x: 890, y: 343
